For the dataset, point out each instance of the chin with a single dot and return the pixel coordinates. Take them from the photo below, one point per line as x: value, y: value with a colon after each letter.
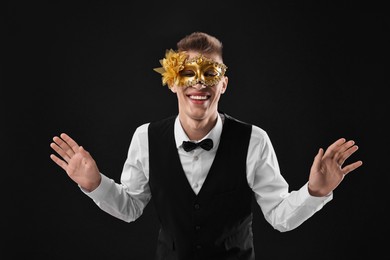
x: 199, y: 113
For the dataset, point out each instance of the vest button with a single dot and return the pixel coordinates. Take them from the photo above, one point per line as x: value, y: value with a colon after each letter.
x: 197, y: 227
x: 197, y: 206
x: 198, y: 247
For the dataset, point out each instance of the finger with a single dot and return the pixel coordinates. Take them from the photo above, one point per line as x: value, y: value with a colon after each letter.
x: 341, y: 157
x: 350, y: 167
x: 333, y: 148
x: 64, y: 146
x: 347, y: 145
x: 60, y: 151
x: 67, y: 144
x: 83, y: 152
x: 59, y: 162
x: 72, y: 143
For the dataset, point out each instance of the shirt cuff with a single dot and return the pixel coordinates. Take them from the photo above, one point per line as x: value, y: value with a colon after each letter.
x: 100, y: 192
x: 313, y: 200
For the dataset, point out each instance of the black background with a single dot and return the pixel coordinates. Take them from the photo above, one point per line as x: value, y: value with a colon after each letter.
x: 306, y: 73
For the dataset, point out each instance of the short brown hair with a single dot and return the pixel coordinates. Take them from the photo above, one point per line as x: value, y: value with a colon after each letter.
x: 200, y: 42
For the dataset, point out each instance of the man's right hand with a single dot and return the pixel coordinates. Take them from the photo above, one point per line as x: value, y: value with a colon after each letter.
x: 76, y: 161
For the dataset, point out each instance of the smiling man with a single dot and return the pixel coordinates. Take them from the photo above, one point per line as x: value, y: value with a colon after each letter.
x: 197, y: 77
x: 203, y: 167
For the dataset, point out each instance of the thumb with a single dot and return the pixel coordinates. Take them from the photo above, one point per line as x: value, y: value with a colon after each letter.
x: 83, y: 151
x: 317, y: 158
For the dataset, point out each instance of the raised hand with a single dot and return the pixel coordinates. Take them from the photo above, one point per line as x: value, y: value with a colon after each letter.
x: 327, y: 170
x: 76, y: 162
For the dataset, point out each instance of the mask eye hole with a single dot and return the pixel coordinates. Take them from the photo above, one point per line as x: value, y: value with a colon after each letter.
x: 210, y: 73
x: 187, y: 73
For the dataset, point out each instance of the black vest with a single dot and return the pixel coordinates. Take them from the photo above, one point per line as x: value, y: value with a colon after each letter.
x: 215, y: 224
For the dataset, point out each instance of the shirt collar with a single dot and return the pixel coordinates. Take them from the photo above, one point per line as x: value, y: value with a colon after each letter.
x: 214, y: 134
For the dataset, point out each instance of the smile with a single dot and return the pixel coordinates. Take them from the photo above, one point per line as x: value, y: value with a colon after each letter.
x: 197, y: 97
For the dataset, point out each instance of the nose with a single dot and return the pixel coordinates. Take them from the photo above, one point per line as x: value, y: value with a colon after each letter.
x: 199, y: 86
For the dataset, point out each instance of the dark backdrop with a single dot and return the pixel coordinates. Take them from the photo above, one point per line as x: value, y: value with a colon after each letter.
x: 306, y: 73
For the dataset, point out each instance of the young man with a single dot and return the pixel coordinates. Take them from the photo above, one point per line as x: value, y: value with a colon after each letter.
x: 203, y: 167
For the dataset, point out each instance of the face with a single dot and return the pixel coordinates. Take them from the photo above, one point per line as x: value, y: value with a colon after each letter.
x: 198, y: 98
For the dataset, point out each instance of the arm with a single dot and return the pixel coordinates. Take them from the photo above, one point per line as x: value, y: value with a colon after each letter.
x: 126, y: 200
x: 286, y: 210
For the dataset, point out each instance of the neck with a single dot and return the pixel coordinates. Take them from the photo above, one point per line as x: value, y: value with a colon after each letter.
x: 196, y: 129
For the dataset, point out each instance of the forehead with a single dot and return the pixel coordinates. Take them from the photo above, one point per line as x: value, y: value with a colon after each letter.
x: 214, y: 57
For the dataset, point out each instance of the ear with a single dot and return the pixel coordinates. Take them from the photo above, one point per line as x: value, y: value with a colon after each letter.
x: 224, y: 84
x: 173, y: 89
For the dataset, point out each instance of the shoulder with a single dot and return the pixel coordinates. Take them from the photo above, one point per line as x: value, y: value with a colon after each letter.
x: 141, y: 132
x: 142, y: 128
x: 258, y: 134
x: 261, y: 142
x: 156, y: 127
x: 230, y: 118
x: 163, y: 121
x: 257, y: 131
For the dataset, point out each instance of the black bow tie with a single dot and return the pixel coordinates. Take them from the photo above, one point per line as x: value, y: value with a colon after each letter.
x: 206, y: 144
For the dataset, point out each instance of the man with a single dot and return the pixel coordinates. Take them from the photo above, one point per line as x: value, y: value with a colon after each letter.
x: 202, y: 167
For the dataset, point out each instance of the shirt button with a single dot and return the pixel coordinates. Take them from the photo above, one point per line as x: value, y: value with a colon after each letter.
x: 197, y: 206
x: 196, y: 158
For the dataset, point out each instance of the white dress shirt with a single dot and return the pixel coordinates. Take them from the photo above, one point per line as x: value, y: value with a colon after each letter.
x: 284, y: 210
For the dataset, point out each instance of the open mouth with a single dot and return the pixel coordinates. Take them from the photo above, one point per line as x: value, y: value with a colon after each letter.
x: 199, y: 99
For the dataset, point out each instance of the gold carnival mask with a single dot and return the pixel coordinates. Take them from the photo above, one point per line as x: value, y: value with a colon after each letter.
x: 179, y: 70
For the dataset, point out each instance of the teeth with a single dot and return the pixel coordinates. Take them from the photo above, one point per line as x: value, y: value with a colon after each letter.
x: 199, y: 97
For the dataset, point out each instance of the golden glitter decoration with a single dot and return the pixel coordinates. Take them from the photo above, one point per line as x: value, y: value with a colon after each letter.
x: 172, y: 64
